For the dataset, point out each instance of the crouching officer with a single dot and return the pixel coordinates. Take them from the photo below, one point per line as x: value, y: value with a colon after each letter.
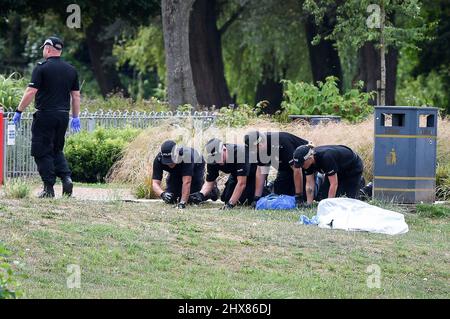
x: 54, y: 83
x: 341, y: 166
x: 233, y: 160
x: 276, y: 149
x: 186, y: 168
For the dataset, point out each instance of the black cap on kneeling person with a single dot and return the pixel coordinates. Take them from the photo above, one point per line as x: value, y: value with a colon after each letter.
x: 167, y: 149
x: 302, y: 153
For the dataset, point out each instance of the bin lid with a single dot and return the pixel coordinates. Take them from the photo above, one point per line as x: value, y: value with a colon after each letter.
x: 406, y: 107
x: 315, y: 116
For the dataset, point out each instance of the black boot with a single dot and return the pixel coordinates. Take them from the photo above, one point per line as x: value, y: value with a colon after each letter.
x: 67, y: 186
x: 365, y: 193
x: 47, y: 192
x: 215, y: 194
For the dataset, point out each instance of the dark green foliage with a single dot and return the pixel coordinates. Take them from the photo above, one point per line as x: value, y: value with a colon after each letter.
x: 11, y: 90
x: 325, y: 99
x: 119, y: 103
x: 434, y: 55
x: 267, y: 41
x: 91, y: 155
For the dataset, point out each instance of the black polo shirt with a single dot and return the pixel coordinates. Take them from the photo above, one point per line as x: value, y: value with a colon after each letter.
x: 191, y: 164
x: 238, y: 164
x: 335, y: 159
x: 54, y: 79
x: 280, y: 150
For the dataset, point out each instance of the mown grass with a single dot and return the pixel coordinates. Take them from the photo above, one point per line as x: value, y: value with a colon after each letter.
x: 433, y: 211
x: 136, y: 250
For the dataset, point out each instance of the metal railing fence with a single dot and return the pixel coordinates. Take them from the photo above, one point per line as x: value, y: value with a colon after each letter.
x: 18, y: 161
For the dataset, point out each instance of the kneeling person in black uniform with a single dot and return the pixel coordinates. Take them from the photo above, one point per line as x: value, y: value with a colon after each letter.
x: 186, y: 168
x: 276, y: 149
x: 231, y: 159
x: 342, y: 167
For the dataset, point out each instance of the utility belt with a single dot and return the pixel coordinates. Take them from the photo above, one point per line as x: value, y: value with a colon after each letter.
x: 52, y: 110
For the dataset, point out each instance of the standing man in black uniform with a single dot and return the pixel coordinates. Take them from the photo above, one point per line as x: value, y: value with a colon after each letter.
x: 276, y: 149
x: 54, y: 83
x: 231, y: 159
x: 342, y: 167
x: 186, y: 168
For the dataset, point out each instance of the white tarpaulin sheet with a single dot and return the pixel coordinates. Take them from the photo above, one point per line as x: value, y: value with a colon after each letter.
x: 354, y: 215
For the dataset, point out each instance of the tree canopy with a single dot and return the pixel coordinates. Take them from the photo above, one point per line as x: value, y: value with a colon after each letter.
x: 221, y: 52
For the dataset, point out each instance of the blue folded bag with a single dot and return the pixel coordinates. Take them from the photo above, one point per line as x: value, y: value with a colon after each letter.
x: 276, y: 202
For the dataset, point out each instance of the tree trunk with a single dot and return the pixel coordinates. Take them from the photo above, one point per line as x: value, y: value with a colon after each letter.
x: 205, y: 47
x: 391, y: 75
x: 269, y: 89
x: 104, y: 71
x: 180, y: 84
x: 324, y: 57
x: 369, y: 70
x: 382, y: 59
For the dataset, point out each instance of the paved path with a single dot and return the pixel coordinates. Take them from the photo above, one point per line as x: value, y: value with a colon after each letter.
x: 93, y: 193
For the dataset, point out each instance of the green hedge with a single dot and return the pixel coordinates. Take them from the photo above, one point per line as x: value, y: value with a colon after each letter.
x: 91, y: 155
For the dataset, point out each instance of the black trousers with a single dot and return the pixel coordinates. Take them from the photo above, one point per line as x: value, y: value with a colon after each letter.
x: 347, y: 186
x: 284, y: 183
x: 175, y: 183
x: 247, y: 195
x: 47, y: 143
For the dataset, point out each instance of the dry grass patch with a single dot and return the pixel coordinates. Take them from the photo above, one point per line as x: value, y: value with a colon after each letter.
x: 136, y: 165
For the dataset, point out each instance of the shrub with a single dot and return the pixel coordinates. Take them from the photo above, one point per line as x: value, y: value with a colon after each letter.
x: 17, y: 189
x: 443, y: 182
x: 11, y: 91
x: 6, y: 276
x: 325, y: 99
x: 236, y: 117
x: 424, y: 90
x: 91, y: 155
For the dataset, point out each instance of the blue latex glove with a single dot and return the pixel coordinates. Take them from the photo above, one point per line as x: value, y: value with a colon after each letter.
x: 17, y: 117
x: 75, y: 124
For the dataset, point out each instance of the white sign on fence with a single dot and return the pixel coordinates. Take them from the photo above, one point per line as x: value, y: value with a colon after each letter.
x: 11, y: 140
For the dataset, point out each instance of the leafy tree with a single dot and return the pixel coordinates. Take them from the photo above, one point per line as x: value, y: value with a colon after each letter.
x: 101, y: 21
x: 433, y: 57
x: 267, y: 44
x: 390, y: 24
x: 144, y: 52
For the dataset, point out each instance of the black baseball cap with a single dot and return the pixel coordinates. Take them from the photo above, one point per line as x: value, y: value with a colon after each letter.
x: 301, y: 154
x: 54, y: 42
x: 213, y: 148
x: 167, y: 149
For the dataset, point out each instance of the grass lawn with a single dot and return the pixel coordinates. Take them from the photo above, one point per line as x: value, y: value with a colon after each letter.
x: 137, y: 250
